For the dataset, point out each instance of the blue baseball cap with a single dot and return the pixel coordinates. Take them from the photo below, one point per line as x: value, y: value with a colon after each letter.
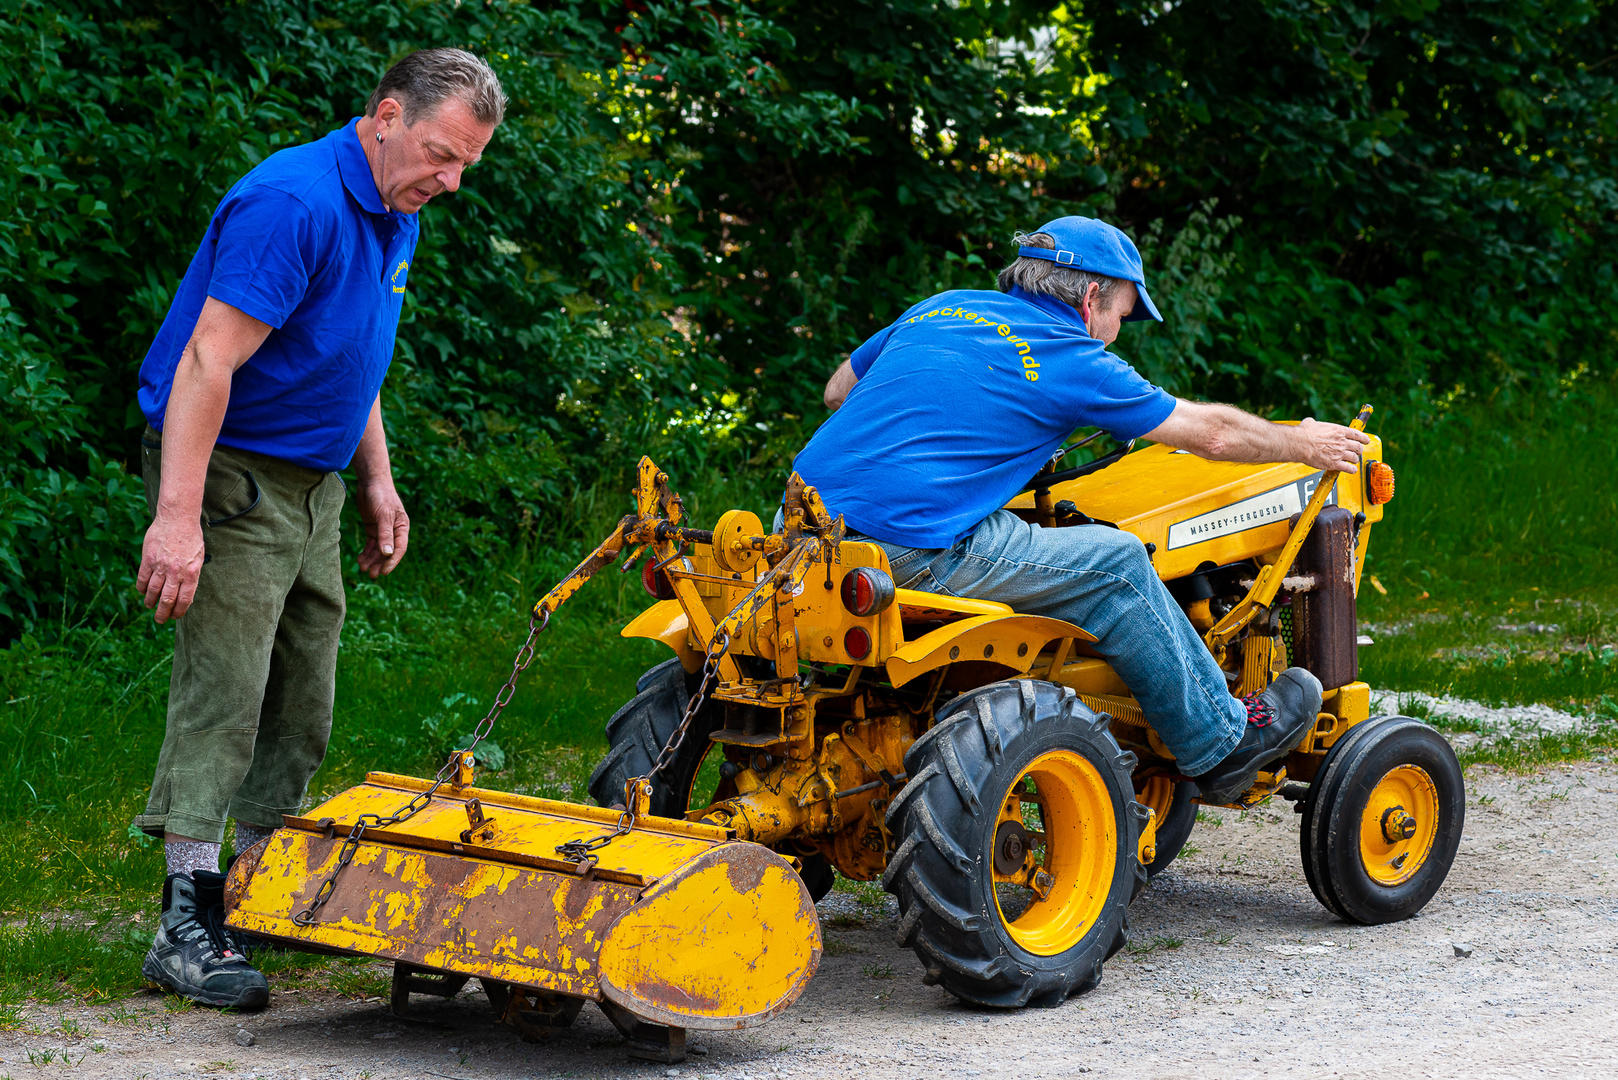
x: 1095, y: 247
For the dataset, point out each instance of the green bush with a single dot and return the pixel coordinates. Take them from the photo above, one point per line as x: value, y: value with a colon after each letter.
x: 694, y: 212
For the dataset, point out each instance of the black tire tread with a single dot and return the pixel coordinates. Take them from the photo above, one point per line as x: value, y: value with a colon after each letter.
x: 1316, y: 809
x: 636, y: 735
x: 955, y: 768
x: 1326, y: 832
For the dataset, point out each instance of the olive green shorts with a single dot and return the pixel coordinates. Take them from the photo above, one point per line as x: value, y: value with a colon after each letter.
x: 255, y: 656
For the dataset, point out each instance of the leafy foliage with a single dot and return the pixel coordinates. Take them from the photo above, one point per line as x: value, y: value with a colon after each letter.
x: 1426, y: 187
x: 693, y: 212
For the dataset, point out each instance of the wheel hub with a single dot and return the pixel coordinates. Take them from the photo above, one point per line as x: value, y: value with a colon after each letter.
x: 1394, y: 840
x: 1010, y: 847
x: 1397, y: 825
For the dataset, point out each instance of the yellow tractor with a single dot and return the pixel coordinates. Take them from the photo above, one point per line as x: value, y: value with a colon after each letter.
x: 989, y: 767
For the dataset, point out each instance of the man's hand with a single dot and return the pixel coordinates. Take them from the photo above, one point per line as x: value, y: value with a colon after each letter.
x: 387, y: 528
x: 170, y: 564
x: 171, y: 557
x: 1226, y: 433
x: 1331, y: 447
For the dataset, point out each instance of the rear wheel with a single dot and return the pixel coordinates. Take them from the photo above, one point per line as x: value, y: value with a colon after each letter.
x: 1176, y: 817
x: 1016, y: 841
x: 636, y: 735
x: 1383, y: 821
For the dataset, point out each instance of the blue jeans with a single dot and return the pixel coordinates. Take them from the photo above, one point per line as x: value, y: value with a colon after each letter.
x: 1100, y: 579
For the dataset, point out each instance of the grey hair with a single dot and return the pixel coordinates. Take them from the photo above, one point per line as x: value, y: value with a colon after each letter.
x: 424, y: 79
x: 1045, y: 278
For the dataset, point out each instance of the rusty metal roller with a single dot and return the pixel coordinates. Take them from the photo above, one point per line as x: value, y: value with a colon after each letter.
x: 677, y: 923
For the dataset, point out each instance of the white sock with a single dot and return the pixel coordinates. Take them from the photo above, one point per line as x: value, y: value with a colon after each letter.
x: 188, y: 856
x: 248, y: 835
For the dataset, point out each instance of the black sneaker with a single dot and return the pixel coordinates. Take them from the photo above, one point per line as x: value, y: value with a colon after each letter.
x: 1277, y: 720
x: 191, y: 955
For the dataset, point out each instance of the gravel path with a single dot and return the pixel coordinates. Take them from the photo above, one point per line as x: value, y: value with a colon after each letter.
x: 1233, y: 971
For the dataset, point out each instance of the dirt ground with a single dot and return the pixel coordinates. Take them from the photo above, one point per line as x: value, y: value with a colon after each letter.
x: 1233, y: 970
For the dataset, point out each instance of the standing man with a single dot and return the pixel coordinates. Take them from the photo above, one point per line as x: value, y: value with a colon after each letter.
x: 263, y: 382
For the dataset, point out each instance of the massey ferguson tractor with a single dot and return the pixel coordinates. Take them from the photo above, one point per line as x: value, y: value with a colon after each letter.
x: 987, y: 766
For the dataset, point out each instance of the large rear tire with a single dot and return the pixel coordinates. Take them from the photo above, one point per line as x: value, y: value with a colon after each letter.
x: 1176, y: 817
x: 636, y: 735
x: 1019, y: 770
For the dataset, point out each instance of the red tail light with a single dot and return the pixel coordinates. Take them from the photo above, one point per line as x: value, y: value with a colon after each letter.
x: 656, y: 581
x: 867, y: 591
x: 857, y: 643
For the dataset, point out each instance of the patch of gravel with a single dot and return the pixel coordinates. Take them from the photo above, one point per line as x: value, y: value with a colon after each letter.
x: 1497, y: 724
x: 1403, y: 626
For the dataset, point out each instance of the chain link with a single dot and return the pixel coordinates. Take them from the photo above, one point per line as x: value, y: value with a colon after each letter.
x: 579, y: 850
x: 710, y: 664
x: 525, y: 656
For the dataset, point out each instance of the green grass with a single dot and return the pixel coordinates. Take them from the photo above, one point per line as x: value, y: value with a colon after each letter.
x: 1499, y: 498
x: 50, y: 960
x: 1469, y: 652
x: 1496, y: 579
x: 1159, y: 943
x: 1502, y: 518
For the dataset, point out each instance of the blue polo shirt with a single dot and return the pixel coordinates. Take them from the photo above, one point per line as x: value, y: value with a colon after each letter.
x: 958, y: 404
x: 304, y: 244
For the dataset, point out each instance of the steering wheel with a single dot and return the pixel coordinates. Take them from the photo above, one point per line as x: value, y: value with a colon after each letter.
x: 1043, y: 481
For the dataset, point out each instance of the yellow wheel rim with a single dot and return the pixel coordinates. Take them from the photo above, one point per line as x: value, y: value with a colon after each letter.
x: 1064, y: 807
x: 1398, y: 825
x: 1158, y: 794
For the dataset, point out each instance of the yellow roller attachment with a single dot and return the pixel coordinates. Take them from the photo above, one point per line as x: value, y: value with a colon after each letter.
x: 675, y: 921
x: 714, y: 942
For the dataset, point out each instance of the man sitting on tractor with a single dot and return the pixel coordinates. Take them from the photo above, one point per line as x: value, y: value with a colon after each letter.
x: 940, y: 419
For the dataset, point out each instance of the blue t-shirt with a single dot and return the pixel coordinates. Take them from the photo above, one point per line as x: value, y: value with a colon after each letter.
x: 304, y: 244
x: 958, y: 404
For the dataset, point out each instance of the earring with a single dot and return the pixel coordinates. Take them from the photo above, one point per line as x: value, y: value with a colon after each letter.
x: 379, y: 136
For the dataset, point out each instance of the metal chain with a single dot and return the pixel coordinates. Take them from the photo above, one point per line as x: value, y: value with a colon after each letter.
x: 525, y: 656
x: 710, y: 664
x: 579, y: 850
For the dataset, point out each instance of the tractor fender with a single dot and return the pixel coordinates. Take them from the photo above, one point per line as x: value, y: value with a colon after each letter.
x: 1012, y: 641
x: 666, y: 621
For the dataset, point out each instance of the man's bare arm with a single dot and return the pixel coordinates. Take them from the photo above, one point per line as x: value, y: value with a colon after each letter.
x: 387, y: 527
x: 841, y: 382
x: 171, y: 555
x: 1226, y: 433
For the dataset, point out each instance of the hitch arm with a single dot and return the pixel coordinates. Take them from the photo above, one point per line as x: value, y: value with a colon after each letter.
x: 657, y: 517
x: 605, y: 554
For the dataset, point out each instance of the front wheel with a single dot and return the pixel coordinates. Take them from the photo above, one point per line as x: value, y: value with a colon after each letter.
x: 1016, y: 846
x: 1383, y: 820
